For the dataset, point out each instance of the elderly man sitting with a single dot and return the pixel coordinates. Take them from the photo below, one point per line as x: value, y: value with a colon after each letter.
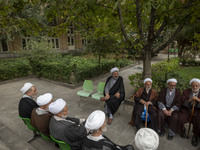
x: 64, y: 128
x: 169, y: 104
x: 27, y: 104
x: 95, y: 140
x: 190, y: 96
x: 114, y: 93
x: 145, y: 96
x: 40, y: 117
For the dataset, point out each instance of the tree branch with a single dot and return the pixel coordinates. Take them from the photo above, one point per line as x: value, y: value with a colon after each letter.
x: 139, y: 20
x: 170, y: 39
x: 122, y: 25
x: 152, y: 24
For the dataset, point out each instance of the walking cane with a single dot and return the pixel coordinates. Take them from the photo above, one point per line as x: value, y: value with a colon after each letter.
x: 146, y: 117
x: 191, y: 119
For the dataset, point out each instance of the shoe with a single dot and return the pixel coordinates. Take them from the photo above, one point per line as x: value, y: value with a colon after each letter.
x: 132, y: 124
x: 194, y: 140
x: 109, y: 122
x: 102, y: 99
x: 183, y: 135
x: 169, y: 137
x: 161, y: 133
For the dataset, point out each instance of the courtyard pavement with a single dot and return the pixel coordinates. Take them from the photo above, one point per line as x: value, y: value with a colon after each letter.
x: 14, y: 133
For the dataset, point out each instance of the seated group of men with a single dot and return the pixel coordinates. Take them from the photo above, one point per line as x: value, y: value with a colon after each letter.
x: 51, y: 118
x: 170, y: 109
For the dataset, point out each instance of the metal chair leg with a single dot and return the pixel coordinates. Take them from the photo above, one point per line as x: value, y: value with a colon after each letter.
x: 35, y: 135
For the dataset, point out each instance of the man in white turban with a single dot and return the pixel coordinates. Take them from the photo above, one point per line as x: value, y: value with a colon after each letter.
x: 114, y: 93
x: 169, y: 103
x: 27, y: 104
x: 64, y: 128
x: 145, y: 96
x: 96, y: 124
x: 146, y: 139
x: 190, y: 96
x: 40, y: 116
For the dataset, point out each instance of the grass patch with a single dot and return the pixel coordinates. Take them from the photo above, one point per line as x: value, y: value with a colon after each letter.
x: 189, y: 72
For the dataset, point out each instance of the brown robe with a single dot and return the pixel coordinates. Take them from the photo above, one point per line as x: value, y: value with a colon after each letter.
x: 172, y: 120
x: 185, y: 113
x: 138, y: 94
x: 41, y: 122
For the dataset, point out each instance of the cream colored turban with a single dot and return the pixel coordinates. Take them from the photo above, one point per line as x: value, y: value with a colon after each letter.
x: 57, y: 106
x: 146, y: 139
x: 114, y: 70
x: 148, y: 79
x: 171, y: 80
x: 194, y: 80
x: 26, y: 87
x: 44, y: 99
x: 95, y: 120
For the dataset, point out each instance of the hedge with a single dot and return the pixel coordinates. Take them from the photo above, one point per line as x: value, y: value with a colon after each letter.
x: 14, y: 68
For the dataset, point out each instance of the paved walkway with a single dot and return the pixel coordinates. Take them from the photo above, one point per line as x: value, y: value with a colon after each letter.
x: 13, y: 132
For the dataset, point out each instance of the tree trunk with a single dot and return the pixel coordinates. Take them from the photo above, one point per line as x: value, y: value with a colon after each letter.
x: 147, y: 63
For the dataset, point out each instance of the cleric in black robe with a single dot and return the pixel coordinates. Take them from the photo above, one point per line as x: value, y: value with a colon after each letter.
x: 27, y: 104
x: 114, y: 93
x: 64, y: 128
x: 96, y: 124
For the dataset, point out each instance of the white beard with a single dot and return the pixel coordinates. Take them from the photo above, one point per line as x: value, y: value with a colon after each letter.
x: 63, y: 116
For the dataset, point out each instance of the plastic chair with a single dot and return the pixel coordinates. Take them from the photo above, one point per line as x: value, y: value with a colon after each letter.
x: 27, y: 122
x: 45, y: 137
x: 62, y: 145
x: 100, y: 90
x: 87, y: 90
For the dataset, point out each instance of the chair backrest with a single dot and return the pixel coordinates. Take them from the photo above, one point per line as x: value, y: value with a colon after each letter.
x: 62, y: 145
x: 100, y: 87
x: 88, y: 85
x: 27, y: 121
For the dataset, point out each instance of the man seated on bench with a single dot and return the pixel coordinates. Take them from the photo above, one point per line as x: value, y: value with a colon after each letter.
x: 27, y: 104
x: 145, y: 96
x: 114, y: 93
x: 64, y: 128
x: 95, y: 140
x: 40, y: 117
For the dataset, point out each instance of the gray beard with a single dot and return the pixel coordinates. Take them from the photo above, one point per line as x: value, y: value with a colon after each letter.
x: 63, y: 116
x: 104, y: 129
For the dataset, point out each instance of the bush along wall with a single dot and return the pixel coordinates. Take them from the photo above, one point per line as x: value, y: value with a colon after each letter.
x: 14, y: 68
x: 160, y: 73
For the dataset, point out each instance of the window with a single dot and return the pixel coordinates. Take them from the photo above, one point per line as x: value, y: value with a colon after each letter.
x: 53, y: 43
x: 4, y: 45
x: 70, y: 36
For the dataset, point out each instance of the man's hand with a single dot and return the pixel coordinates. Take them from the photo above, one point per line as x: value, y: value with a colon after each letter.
x: 142, y: 101
x: 196, y: 98
x: 117, y: 95
x: 148, y: 103
x: 192, y: 99
x: 107, y: 96
x: 166, y: 112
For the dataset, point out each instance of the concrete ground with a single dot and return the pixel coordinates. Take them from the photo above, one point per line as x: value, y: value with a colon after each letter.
x: 14, y: 133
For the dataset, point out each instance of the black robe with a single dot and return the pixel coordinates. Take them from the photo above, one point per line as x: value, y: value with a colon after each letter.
x: 103, y: 144
x: 69, y: 131
x: 26, y: 106
x: 113, y: 103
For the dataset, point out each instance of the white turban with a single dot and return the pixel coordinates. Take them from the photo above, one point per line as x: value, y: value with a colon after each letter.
x: 194, y: 80
x: 171, y: 80
x: 146, y: 139
x: 44, y: 99
x: 95, y: 120
x: 114, y: 69
x: 57, y: 106
x: 26, y: 87
x: 148, y: 79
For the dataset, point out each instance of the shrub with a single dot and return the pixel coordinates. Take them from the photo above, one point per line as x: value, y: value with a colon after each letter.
x: 14, y: 68
x: 160, y: 73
